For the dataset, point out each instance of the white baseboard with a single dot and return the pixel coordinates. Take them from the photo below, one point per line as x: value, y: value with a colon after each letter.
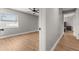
x: 77, y: 37
x: 18, y: 34
x: 54, y: 46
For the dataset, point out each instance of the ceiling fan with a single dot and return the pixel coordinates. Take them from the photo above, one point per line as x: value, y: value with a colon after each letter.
x: 34, y: 10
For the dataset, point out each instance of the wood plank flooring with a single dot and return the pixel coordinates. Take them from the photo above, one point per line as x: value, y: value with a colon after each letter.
x: 25, y: 42
x: 68, y: 43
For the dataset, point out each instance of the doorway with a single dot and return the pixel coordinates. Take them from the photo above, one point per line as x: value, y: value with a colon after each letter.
x: 69, y: 41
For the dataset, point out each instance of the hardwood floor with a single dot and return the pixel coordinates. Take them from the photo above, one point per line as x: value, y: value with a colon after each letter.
x: 68, y: 43
x: 25, y: 42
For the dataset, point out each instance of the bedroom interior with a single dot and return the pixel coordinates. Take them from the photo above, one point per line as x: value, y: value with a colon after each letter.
x: 18, y: 30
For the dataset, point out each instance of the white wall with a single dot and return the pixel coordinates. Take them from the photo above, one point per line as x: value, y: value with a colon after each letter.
x: 76, y: 24
x: 26, y: 23
x: 54, y: 26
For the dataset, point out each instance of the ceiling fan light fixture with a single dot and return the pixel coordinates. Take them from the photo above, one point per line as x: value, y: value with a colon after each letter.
x: 34, y: 10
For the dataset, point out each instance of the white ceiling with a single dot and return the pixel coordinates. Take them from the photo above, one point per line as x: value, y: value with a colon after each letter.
x: 68, y: 14
x: 27, y: 10
x: 66, y: 9
x: 24, y: 10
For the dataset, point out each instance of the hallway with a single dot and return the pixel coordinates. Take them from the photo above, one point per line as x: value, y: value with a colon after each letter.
x: 68, y: 43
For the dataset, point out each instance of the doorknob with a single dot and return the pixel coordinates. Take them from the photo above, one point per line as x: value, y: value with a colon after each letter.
x: 1, y: 29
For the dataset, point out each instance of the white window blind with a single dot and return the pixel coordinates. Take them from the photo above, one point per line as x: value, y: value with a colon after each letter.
x: 8, y: 20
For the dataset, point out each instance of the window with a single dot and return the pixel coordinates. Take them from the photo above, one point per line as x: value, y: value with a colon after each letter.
x: 8, y: 20
x: 8, y: 17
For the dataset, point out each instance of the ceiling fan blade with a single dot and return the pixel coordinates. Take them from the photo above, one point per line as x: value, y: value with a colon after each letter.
x: 37, y: 11
x: 31, y: 9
